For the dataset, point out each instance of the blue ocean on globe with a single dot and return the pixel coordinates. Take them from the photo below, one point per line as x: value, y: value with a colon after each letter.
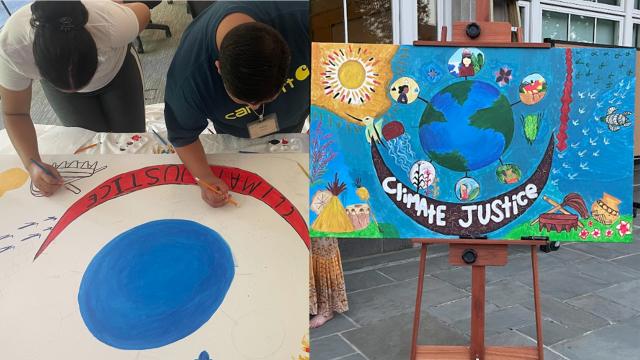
x: 466, y: 126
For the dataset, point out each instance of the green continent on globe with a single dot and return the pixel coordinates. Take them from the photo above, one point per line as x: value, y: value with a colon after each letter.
x: 452, y: 160
x: 494, y: 118
x: 431, y: 115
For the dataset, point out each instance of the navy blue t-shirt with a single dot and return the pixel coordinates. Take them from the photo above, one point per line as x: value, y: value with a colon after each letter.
x: 195, y: 92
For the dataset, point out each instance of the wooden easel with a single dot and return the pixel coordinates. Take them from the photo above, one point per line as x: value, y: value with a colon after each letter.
x: 479, y: 253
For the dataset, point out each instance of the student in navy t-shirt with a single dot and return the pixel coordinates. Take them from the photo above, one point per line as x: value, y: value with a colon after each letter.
x: 244, y: 66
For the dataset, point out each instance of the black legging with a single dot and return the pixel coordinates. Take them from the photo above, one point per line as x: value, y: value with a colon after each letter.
x: 117, y: 107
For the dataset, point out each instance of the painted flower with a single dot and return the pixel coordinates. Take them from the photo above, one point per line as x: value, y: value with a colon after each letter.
x: 584, y: 234
x: 433, y: 74
x: 608, y: 233
x: 595, y: 233
x: 590, y: 223
x: 503, y: 76
x: 136, y: 137
x: 623, y: 228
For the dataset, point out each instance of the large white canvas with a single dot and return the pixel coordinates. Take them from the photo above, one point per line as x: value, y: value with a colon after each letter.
x: 263, y: 316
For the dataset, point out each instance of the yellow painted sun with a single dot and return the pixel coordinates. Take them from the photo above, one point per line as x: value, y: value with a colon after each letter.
x: 351, y: 78
x: 349, y: 75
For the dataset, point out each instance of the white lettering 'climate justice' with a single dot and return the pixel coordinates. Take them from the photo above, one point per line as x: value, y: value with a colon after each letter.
x: 497, y: 210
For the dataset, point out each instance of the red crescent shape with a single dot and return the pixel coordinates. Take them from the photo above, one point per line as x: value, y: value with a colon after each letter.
x: 239, y: 181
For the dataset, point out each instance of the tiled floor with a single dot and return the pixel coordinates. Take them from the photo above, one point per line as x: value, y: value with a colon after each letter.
x: 590, y: 304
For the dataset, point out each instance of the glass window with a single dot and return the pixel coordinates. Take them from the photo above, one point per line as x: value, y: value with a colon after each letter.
x: 607, y: 2
x: 500, y: 10
x: 427, y: 23
x: 367, y: 21
x: 635, y: 35
x: 463, y: 10
x: 581, y: 28
x: 637, y: 4
x: 327, y: 20
x: 554, y: 25
x: 606, y: 32
x: 370, y: 21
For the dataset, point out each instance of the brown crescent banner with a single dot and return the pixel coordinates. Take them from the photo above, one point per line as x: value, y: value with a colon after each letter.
x: 463, y: 219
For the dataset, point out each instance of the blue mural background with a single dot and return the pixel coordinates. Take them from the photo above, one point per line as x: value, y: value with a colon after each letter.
x: 596, y: 159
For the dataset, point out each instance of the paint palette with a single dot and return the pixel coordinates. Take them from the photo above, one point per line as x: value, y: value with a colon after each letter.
x: 285, y: 145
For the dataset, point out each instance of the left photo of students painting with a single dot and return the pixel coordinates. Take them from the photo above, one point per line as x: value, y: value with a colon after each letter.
x: 154, y: 176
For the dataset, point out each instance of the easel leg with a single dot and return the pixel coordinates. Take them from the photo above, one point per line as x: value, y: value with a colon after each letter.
x: 416, y: 316
x: 477, y: 311
x: 536, y: 299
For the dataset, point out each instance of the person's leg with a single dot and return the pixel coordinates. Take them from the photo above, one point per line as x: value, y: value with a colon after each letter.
x: 76, y: 109
x: 123, y: 99
x: 330, y: 291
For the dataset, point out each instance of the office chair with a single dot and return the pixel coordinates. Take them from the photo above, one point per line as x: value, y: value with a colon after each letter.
x: 150, y: 26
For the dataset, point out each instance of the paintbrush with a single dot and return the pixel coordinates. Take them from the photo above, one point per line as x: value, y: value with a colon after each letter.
x: 303, y: 170
x: 215, y: 190
x: 83, y: 148
x: 161, y: 138
x: 165, y: 142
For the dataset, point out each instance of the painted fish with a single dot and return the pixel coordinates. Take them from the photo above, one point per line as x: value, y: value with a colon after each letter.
x: 616, y: 120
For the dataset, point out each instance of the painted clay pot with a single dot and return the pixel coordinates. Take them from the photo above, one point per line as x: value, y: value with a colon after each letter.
x: 359, y: 215
x: 605, y: 210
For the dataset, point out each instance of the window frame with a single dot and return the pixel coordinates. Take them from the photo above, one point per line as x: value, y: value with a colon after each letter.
x: 579, y: 12
x: 590, y: 5
x: 634, y: 22
x: 526, y: 25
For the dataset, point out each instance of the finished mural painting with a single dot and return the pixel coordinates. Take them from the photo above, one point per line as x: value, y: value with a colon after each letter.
x: 422, y: 141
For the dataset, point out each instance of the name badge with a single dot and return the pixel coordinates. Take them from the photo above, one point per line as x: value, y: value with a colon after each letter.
x: 267, y: 126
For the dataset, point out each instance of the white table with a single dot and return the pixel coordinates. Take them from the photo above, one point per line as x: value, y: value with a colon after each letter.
x: 53, y: 139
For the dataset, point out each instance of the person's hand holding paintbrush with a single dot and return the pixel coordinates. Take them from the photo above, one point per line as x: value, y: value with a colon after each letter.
x: 213, y: 194
x: 214, y: 191
x: 45, y: 177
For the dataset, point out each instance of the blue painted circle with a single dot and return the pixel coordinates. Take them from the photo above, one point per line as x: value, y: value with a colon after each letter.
x: 155, y: 284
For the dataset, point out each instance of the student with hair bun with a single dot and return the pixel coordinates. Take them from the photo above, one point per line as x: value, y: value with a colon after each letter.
x: 91, y: 76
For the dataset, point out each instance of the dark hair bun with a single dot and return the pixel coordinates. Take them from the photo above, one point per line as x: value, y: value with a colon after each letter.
x: 63, y: 49
x: 65, y: 15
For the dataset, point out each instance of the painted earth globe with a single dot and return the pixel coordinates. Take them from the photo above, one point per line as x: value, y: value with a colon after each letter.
x: 466, y: 126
